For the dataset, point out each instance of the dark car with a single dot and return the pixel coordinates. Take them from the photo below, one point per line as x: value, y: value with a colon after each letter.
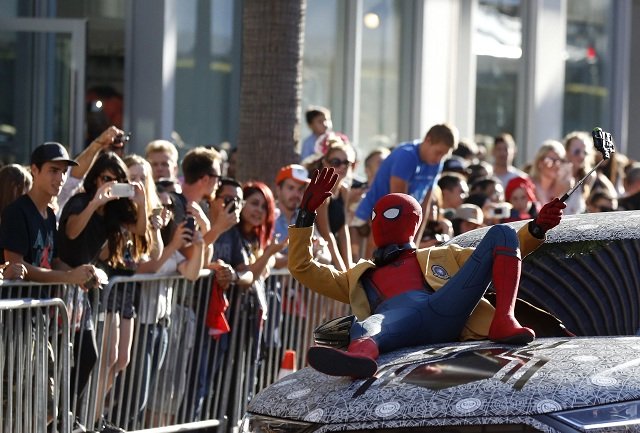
x: 587, y: 274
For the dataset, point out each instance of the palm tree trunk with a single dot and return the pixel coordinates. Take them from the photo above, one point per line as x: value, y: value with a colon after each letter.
x: 273, y: 32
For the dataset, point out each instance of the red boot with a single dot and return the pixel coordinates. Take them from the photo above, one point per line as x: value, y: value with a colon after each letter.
x: 357, y: 362
x: 506, y: 277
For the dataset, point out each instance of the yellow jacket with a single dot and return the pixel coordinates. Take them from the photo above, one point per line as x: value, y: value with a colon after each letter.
x: 437, y: 264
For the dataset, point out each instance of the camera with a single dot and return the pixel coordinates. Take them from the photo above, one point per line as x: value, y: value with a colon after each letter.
x: 122, y: 138
x: 122, y: 190
x: 499, y: 211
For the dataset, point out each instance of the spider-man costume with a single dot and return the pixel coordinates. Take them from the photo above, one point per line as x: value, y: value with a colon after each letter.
x: 408, y: 296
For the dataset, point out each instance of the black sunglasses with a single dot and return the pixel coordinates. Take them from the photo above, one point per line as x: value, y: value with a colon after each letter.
x: 337, y: 162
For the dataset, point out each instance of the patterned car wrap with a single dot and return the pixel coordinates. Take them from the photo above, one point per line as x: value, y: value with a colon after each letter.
x: 465, y: 383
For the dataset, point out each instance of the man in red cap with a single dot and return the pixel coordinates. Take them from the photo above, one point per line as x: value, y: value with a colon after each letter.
x: 408, y: 296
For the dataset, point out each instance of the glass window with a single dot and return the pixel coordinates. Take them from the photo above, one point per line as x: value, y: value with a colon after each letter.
x: 29, y: 112
x: 380, y: 74
x: 321, y: 68
x: 497, y: 45
x: 588, y: 65
x: 104, y: 80
x: 207, y: 71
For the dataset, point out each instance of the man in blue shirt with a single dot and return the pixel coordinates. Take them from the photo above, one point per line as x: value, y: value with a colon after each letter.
x: 412, y: 168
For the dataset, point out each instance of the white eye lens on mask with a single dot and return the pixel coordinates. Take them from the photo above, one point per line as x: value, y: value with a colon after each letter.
x: 392, y: 213
x: 373, y: 215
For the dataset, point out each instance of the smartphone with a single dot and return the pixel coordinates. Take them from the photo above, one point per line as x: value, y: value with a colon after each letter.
x: 190, y: 223
x: 122, y: 190
x: 228, y: 200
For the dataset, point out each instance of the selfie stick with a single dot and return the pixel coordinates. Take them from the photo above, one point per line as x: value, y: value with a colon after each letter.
x: 603, y: 143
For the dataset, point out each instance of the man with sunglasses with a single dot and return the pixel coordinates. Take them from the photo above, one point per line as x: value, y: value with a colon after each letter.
x: 201, y: 168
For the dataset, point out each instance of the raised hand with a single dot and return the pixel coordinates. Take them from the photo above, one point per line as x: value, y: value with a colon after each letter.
x: 319, y: 189
x: 103, y: 194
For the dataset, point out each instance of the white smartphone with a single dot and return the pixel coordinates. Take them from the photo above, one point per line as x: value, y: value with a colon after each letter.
x: 122, y: 190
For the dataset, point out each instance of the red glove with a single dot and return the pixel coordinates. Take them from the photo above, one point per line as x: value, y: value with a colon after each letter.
x: 319, y: 189
x: 550, y: 214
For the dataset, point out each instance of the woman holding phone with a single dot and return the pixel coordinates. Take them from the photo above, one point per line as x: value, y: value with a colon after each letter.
x: 99, y: 226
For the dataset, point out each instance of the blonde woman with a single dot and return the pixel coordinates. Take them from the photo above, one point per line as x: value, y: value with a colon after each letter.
x: 139, y: 170
x: 582, y: 156
x: 332, y: 214
x: 552, y: 176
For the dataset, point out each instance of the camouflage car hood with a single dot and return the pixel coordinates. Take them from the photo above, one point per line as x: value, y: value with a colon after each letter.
x: 466, y: 380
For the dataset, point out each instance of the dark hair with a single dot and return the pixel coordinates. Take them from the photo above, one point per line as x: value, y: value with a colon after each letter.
x: 466, y: 149
x: 262, y: 233
x: 116, y: 212
x: 481, y: 184
x: 197, y: 163
x: 478, y: 170
x: 450, y: 180
x: 312, y: 113
x: 478, y: 199
x: 227, y: 181
x: 105, y: 161
x: 14, y: 180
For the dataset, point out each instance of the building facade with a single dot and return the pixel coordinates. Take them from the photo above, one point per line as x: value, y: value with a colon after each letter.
x: 387, y: 69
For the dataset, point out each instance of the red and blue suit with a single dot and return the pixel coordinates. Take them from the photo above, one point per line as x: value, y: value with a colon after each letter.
x: 404, y: 310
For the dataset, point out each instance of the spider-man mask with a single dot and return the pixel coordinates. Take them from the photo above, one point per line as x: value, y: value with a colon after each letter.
x: 395, y: 219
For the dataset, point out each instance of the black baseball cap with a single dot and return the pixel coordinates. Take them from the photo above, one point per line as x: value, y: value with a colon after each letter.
x: 50, y: 151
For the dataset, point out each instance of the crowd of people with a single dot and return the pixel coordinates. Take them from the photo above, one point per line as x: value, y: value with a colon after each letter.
x: 107, y: 212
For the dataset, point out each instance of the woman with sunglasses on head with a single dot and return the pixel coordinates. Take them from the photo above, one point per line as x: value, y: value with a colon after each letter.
x: 581, y: 154
x: 552, y: 176
x: 332, y: 214
x: 99, y: 226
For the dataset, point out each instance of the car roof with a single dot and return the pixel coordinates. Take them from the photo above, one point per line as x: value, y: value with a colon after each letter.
x: 586, y: 269
x: 464, y: 381
x: 582, y: 227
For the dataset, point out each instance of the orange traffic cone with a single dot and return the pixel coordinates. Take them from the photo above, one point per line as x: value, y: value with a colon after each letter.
x: 288, y: 364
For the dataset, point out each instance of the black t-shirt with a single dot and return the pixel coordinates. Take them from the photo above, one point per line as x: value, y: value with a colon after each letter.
x: 337, y: 217
x: 86, y: 247
x: 24, y: 231
x: 232, y: 248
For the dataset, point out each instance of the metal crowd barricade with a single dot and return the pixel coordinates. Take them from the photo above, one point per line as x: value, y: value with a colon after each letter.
x: 295, y: 311
x: 34, y: 363
x: 176, y: 373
